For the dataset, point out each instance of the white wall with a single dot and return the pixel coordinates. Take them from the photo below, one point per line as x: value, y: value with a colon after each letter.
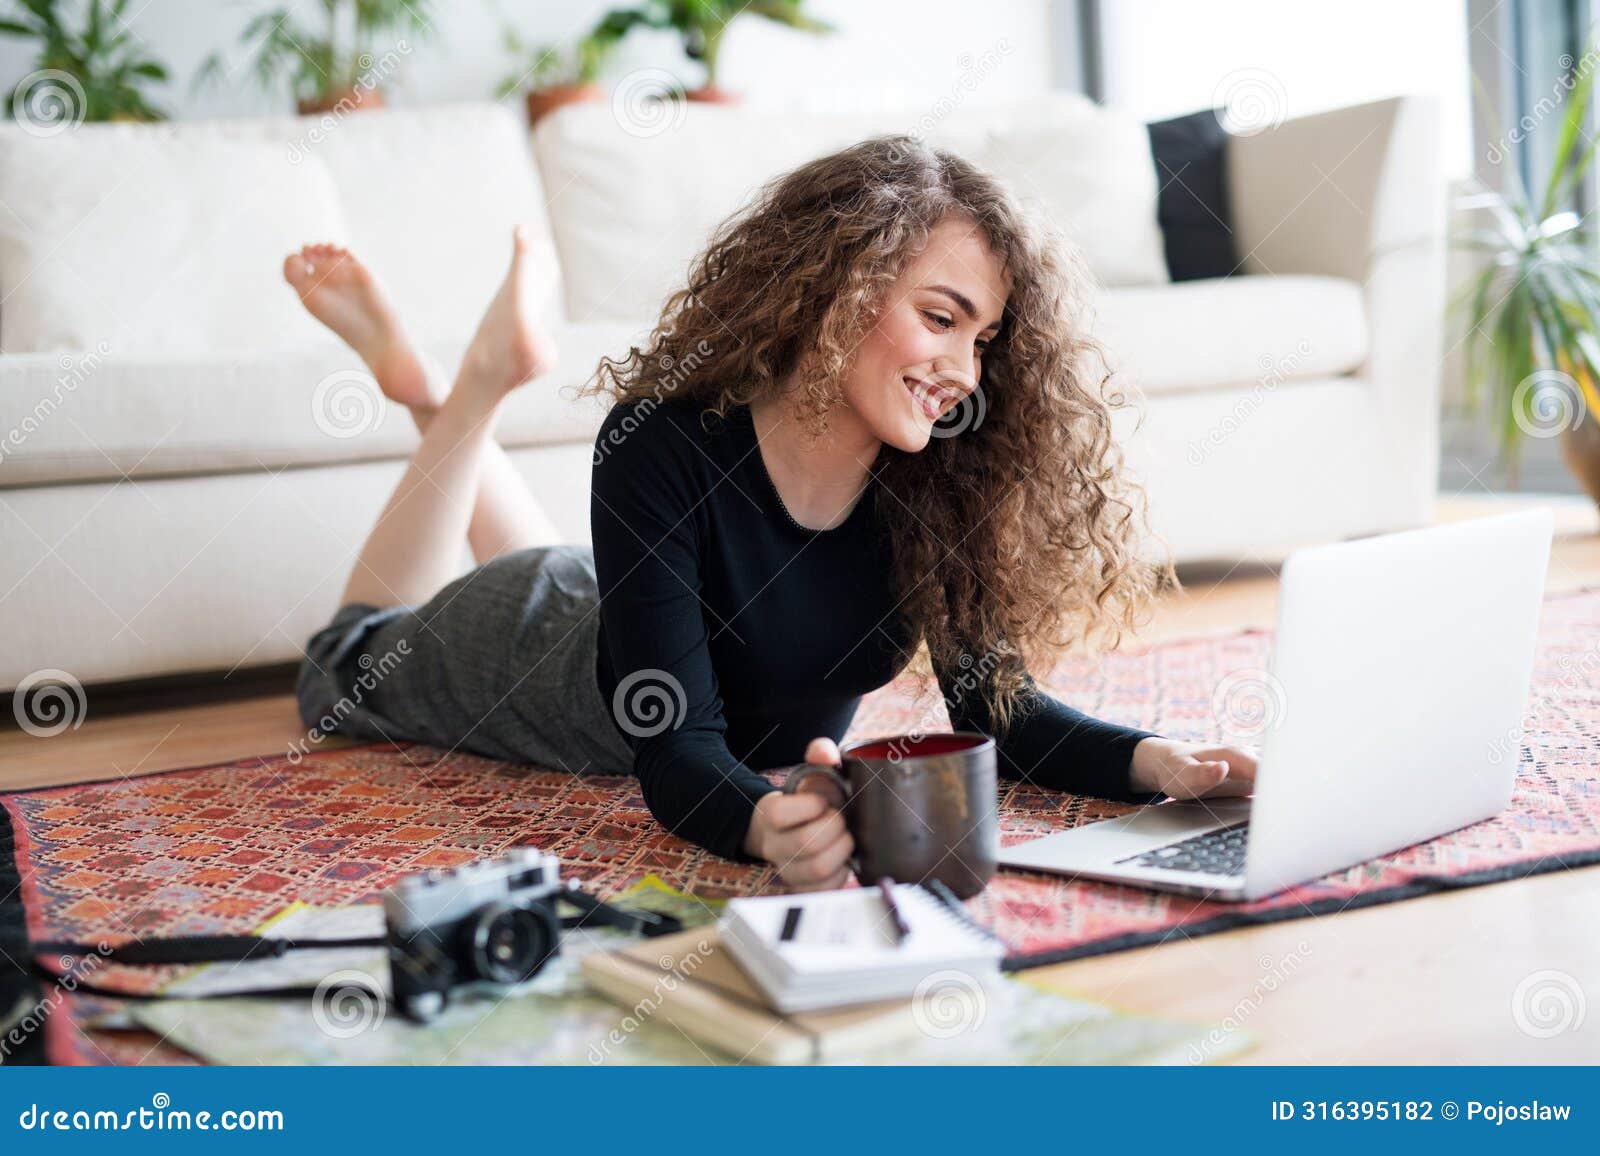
x: 902, y: 52
x: 1160, y: 57
x: 1284, y: 58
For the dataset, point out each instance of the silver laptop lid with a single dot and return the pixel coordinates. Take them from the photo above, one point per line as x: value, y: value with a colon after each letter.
x: 1400, y: 675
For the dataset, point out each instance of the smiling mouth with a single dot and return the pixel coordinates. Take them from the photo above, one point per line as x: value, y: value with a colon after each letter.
x: 930, y: 399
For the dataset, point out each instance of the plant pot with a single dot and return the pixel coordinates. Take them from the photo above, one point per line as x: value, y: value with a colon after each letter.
x: 711, y: 94
x: 1580, y: 448
x: 355, y: 98
x: 541, y: 102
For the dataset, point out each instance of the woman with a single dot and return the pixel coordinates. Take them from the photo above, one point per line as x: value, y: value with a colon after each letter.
x: 781, y: 512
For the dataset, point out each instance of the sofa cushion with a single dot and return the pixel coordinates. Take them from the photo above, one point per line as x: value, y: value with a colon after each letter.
x: 631, y: 204
x: 630, y: 208
x: 170, y: 238
x: 1094, y: 176
x: 148, y: 238
x: 106, y: 416
x: 1232, y: 331
x: 430, y: 196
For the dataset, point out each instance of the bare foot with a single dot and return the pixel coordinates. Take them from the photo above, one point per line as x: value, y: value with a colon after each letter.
x: 342, y: 293
x: 510, y: 346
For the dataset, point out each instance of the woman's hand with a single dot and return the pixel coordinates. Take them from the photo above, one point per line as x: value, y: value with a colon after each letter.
x: 801, y: 834
x: 1191, y: 770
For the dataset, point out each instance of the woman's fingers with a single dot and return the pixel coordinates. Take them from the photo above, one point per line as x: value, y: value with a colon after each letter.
x: 808, y: 836
x: 1209, y: 776
x: 821, y: 868
x: 840, y: 878
x: 1214, y: 772
x: 820, y: 752
x: 814, y: 853
x: 1241, y: 765
x: 788, y: 811
x: 813, y: 845
x: 823, y: 750
x: 1240, y: 776
x: 1193, y: 778
x: 1240, y: 762
x: 819, y: 833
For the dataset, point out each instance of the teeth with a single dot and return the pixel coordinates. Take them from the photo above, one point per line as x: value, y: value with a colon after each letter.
x: 932, y: 396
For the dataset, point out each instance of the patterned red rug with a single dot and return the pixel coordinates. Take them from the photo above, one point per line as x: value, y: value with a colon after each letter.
x: 221, y: 848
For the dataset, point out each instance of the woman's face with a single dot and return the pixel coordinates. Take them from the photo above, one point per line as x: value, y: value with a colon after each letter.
x: 925, y: 354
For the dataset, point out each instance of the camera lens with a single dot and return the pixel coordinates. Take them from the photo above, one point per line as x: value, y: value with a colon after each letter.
x: 510, y: 944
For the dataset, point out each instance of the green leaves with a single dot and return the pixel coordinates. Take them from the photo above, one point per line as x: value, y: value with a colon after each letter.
x: 544, y: 65
x: 106, y: 63
x: 701, y: 23
x: 1531, y: 312
x: 316, y: 60
x: 1565, y: 171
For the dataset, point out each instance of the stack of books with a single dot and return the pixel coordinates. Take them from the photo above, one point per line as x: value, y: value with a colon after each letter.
x: 836, y: 948
x: 793, y: 979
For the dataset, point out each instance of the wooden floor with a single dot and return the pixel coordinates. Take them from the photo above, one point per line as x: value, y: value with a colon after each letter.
x: 1431, y: 980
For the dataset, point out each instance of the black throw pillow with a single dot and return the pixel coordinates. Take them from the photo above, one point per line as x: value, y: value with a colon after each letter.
x: 1191, y: 155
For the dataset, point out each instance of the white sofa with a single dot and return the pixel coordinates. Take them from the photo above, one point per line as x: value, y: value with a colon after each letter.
x: 188, y: 464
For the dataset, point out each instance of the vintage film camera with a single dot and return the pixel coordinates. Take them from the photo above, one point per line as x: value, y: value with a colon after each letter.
x: 496, y: 921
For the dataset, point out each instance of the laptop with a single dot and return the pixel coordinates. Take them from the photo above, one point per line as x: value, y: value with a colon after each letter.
x: 1393, y: 714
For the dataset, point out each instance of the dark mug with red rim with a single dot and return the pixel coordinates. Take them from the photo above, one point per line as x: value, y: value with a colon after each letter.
x: 920, y: 807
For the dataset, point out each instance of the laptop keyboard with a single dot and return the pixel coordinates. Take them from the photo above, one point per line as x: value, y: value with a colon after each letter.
x: 1219, y: 852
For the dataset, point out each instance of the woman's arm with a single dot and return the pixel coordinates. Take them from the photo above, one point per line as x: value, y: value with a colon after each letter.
x: 1056, y: 746
x: 647, y: 558
x: 1048, y: 742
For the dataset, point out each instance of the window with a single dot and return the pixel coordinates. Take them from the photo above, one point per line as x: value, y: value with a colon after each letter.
x: 1269, y: 60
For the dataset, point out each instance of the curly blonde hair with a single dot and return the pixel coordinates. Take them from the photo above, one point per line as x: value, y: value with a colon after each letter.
x: 1015, y: 539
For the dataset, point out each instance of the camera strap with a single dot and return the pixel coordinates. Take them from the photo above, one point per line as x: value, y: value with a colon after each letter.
x: 182, y: 949
x: 192, y: 949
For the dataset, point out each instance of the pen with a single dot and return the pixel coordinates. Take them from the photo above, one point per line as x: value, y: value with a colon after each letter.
x: 886, y: 889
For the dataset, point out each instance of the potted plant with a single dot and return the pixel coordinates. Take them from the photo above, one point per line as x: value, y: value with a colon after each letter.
x: 702, y: 23
x: 95, y: 73
x: 554, y: 76
x: 330, y: 65
x: 1532, y: 312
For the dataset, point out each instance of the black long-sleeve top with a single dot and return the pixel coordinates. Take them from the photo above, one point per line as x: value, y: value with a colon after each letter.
x: 736, y: 635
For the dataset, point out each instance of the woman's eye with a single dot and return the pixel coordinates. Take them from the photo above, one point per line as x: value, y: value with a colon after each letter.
x: 941, y: 321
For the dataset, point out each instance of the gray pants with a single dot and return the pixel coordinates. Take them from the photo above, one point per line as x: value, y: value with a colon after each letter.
x: 500, y: 662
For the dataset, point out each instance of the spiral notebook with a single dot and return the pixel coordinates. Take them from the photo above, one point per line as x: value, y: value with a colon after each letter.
x: 827, y: 949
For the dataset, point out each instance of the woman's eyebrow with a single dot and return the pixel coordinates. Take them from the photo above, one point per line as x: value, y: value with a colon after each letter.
x: 963, y: 302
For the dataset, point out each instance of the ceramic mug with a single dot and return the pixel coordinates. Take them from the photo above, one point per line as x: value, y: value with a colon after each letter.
x: 920, y: 807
